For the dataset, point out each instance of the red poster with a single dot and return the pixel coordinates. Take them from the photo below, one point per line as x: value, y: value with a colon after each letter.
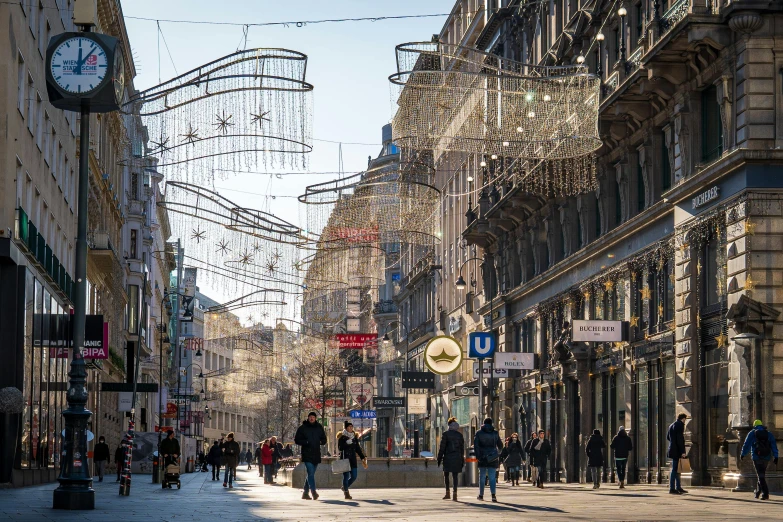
x: 355, y: 341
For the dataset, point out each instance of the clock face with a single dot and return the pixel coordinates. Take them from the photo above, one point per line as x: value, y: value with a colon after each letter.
x: 119, y: 76
x: 79, y: 65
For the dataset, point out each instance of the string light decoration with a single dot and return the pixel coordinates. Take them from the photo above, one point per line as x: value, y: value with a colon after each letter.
x: 453, y: 98
x: 246, y: 109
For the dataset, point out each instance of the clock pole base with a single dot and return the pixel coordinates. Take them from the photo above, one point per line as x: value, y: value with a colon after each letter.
x: 74, y: 497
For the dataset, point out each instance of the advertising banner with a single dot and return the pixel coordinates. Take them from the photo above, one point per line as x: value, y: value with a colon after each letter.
x: 188, y: 295
x: 514, y: 361
x: 417, y: 403
x: 354, y: 341
x: 58, y: 337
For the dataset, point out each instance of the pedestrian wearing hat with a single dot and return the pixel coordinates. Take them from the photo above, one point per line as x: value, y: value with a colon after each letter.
x: 595, y: 456
x: 763, y: 448
x: 310, y: 436
x: 452, y: 455
x: 622, y: 446
x: 488, y: 446
x: 349, y: 448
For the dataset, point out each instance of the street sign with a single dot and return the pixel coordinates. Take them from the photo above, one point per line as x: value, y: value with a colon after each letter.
x: 597, y: 331
x: 389, y: 402
x: 481, y: 345
x: 499, y: 373
x: 514, y: 361
x: 364, y: 414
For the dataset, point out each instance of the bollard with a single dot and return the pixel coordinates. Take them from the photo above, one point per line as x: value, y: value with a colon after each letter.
x: 471, y: 468
x: 155, y: 470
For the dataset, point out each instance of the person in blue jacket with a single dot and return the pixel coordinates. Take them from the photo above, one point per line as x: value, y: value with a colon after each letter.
x: 761, y: 445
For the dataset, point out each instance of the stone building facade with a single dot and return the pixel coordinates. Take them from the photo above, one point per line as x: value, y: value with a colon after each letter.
x: 680, y: 239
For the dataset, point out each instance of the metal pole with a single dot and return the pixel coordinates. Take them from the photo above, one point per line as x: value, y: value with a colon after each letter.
x: 75, y: 489
x: 176, y: 326
x: 156, y: 478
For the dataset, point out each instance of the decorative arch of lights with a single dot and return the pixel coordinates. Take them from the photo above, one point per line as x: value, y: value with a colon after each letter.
x: 544, y: 119
x: 250, y: 108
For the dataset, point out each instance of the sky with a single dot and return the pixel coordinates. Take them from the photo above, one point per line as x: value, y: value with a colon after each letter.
x: 349, y: 65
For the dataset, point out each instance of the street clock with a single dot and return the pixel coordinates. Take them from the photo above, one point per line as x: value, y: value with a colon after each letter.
x: 85, y: 69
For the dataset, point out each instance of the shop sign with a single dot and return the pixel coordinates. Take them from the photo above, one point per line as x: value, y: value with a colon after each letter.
x: 514, y: 361
x: 389, y: 402
x: 362, y: 392
x: 466, y: 391
x: 705, y: 197
x: 56, y: 333
x: 417, y: 403
x: 614, y: 359
x: 455, y: 324
x: 443, y: 355
x: 354, y: 341
x: 364, y: 414
x: 651, y: 351
x: 418, y: 380
x: 415, y: 352
x: 597, y: 331
x: 188, y: 295
x: 498, y: 373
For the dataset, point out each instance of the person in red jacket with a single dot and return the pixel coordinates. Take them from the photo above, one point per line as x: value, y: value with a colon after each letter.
x: 266, y: 460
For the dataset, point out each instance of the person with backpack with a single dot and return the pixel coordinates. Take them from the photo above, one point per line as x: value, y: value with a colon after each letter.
x: 763, y: 448
x: 595, y: 456
x: 488, y: 446
x: 452, y: 455
x: 622, y: 446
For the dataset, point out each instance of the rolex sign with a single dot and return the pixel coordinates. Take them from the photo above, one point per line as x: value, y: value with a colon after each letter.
x: 443, y: 355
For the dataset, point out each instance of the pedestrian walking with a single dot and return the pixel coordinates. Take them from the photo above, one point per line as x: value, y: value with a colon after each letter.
x: 258, y: 458
x: 277, y: 456
x: 595, y: 456
x: 763, y: 448
x: 230, y: 450
x: 529, y: 452
x: 676, y: 451
x: 488, y: 446
x: 512, y: 457
x: 101, y: 457
x: 266, y: 461
x: 452, y: 455
x: 349, y: 448
x: 540, y: 451
x: 310, y: 436
x: 213, y: 458
x: 249, y: 459
x: 622, y: 446
x: 119, y: 457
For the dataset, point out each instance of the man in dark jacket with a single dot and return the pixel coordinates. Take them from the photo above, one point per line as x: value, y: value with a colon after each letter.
x: 622, y: 446
x: 595, y: 456
x: 277, y: 455
x: 452, y: 455
x: 763, y: 448
x: 310, y: 436
x: 231, y: 450
x: 488, y: 446
x: 529, y: 454
x: 540, y: 449
x: 213, y: 457
x: 257, y: 455
x: 101, y: 457
x: 676, y: 438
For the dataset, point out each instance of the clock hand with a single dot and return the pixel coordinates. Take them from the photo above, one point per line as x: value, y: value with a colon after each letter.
x: 81, y: 62
x: 78, y: 68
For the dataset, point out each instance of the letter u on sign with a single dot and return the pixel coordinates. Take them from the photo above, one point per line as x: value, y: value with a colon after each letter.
x: 482, y: 345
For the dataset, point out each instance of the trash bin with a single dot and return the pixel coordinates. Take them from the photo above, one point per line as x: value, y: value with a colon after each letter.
x: 471, y: 468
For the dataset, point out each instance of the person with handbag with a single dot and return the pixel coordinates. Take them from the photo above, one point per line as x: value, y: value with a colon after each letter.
x: 452, y: 455
x: 310, y: 436
x: 349, y: 448
x: 676, y: 438
x: 595, y: 456
x: 488, y: 446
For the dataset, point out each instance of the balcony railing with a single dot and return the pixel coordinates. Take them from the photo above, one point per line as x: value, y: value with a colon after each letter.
x: 387, y: 306
x: 673, y: 15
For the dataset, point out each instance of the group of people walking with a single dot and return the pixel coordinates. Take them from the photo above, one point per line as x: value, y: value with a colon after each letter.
x: 225, y: 453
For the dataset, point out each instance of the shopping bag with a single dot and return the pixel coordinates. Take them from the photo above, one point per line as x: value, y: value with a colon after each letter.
x: 341, y: 466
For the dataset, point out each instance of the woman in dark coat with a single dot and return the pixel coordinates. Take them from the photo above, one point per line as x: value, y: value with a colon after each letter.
x: 348, y: 445
x: 529, y: 454
x: 452, y: 455
x: 622, y: 446
x: 595, y: 456
x: 512, y: 457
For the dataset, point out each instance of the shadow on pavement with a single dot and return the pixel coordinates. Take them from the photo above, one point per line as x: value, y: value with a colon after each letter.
x: 340, y: 503
x: 384, y: 502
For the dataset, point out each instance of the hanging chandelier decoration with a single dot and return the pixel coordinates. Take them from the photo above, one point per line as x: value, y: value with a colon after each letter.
x: 248, y: 109
x: 543, y: 119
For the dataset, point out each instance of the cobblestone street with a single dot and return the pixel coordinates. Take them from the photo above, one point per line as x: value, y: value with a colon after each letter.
x: 202, y: 499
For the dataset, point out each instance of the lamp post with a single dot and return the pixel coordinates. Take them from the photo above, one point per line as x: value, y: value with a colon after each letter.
x: 461, y: 285
x: 386, y: 342
x: 622, y: 12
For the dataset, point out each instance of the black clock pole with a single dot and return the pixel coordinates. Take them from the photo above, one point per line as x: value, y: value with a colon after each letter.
x: 75, y: 490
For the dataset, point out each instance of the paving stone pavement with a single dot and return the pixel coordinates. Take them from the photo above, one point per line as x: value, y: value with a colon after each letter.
x: 201, y: 499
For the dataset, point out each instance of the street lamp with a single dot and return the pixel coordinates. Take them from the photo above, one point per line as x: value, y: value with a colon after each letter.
x: 622, y: 12
x: 461, y: 284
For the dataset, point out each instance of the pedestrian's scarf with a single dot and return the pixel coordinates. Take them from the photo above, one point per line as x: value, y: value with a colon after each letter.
x: 537, y: 447
x: 350, y: 436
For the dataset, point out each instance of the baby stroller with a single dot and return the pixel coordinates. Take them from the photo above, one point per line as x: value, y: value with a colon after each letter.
x: 171, y: 471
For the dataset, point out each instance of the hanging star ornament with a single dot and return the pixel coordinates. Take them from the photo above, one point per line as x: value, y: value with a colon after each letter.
x: 198, y: 234
x: 722, y: 340
x: 749, y: 283
x: 750, y: 228
x: 223, y: 122
x: 191, y: 136
x: 256, y: 246
x: 271, y: 267
x: 161, y: 146
x: 276, y: 255
x: 660, y: 310
x: 634, y: 321
x: 609, y: 285
x: 246, y: 258
x: 259, y: 117
x: 223, y: 247
x: 646, y: 293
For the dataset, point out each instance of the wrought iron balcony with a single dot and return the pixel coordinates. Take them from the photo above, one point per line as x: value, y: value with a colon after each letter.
x: 386, y: 306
